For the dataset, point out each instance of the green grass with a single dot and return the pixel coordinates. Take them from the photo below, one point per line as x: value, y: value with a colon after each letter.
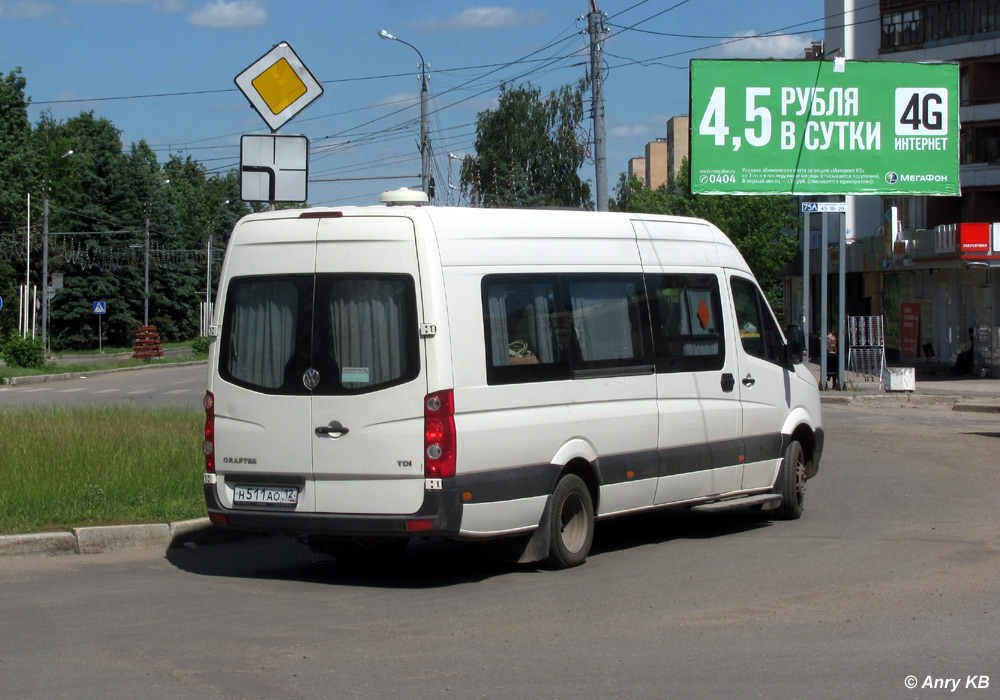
x: 67, y: 368
x: 62, y: 467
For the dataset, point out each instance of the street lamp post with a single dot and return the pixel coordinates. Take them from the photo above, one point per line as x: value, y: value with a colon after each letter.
x: 145, y: 292
x: 208, y: 274
x: 425, y: 155
x: 45, y: 262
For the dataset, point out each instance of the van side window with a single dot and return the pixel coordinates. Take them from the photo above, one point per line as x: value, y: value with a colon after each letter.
x: 687, y: 322
x: 266, y: 323
x: 521, y: 329
x: 759, y: 332
x: 608, y: 325
x: 545, y: 327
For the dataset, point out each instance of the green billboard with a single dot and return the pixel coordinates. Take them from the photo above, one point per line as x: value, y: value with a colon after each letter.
x: 824, y: 127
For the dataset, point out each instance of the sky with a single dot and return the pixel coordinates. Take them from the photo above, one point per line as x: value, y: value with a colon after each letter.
x: 163, y: 71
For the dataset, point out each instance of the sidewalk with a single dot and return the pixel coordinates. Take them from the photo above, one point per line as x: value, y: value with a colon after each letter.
x: 935, y: 383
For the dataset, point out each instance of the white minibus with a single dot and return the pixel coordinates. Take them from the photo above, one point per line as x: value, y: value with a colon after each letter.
x: 383, y: 373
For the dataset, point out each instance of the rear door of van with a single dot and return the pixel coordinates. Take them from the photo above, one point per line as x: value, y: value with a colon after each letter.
x: 263, y: 413
x: 321, y: 362
x: 367, y: 408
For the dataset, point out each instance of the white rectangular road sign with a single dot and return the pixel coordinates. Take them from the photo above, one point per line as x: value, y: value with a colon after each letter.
x: 274, y: 168
x: 826, y: 207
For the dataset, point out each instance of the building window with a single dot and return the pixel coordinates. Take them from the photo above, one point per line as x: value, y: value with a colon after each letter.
x: 907, y: 24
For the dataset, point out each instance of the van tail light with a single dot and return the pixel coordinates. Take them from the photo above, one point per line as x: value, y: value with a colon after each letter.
x: 208, y: 447
x: 439, y: 435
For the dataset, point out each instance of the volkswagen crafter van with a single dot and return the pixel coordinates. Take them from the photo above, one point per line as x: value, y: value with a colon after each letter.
x: 383, y: 373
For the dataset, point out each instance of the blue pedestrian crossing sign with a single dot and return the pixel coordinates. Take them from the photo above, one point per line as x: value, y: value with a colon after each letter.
x: 100, y: 307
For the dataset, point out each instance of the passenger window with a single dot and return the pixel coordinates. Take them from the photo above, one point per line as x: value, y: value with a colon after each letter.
x: 607, y: 321
x: 525, y: 335
x: 545, y: 327
x: 759, y: 333
x: 687, y: 322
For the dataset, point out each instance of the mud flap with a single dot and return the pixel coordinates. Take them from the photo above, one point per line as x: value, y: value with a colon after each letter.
x: 536, y: 548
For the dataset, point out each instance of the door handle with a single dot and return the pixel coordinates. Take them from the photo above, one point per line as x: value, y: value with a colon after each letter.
x: 334, y: 429
x: 728, y: 382
x: 748, y: 381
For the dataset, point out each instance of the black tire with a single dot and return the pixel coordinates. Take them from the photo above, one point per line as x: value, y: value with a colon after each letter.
x: 571, y: 523
x: 792, y: 480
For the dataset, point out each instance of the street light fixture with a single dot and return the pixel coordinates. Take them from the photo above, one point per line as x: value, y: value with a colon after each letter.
x: 425, y: 154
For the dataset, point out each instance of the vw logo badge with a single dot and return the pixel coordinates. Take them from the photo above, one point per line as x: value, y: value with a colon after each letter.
x: 311, y: 378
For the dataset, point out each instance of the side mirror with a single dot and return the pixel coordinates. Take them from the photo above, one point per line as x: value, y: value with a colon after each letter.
x: 795, y: 344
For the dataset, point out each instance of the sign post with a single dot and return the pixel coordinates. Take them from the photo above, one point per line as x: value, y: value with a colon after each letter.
x: 100, y: 308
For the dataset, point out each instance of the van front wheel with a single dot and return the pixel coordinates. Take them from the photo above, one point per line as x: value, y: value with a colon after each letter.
x: 793, y: 483
x: 571, y: 523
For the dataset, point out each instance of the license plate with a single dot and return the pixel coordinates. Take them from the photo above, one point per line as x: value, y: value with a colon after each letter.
x: 266, y: 495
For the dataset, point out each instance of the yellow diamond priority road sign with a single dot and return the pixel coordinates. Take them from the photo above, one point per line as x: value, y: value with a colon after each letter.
x: 279, y: 85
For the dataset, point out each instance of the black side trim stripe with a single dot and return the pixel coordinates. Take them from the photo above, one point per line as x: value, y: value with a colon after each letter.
x: 540, y: 479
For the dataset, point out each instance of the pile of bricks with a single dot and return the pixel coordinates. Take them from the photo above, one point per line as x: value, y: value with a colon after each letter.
x: 147, y: 344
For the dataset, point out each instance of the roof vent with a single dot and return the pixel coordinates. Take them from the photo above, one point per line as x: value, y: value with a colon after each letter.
x: 403, y: 196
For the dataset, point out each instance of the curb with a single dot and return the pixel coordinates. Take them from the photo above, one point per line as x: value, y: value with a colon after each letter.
x: 65, y: 376
x: 958, y: 403
x: 977, y: 407
x: 102, y: 539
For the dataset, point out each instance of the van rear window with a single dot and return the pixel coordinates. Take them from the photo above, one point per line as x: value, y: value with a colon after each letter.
x: 358, y: 333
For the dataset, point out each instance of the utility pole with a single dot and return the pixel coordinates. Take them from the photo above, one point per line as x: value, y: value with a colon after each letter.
x: 145, y: 294
x: 595, y: 26
x: 45, y: 268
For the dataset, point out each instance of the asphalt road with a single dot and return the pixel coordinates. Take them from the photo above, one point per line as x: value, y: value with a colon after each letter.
x: 163, y: 385
x: 892, y: 577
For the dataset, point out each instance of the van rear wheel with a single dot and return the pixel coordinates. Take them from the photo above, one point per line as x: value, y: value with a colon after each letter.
x: 793, y: 483
x: 571, y: 523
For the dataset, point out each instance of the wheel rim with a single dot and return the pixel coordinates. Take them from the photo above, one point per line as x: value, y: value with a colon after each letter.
x: 800, y: 481
x: 573, y: 519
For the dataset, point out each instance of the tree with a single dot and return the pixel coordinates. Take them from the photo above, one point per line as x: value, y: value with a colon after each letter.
x: 529, y: 150
x: 762, y: 227
x: 17, y: 176
x: 100, y: 200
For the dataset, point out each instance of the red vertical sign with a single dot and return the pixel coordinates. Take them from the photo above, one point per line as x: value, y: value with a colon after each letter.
x: 910, y: 330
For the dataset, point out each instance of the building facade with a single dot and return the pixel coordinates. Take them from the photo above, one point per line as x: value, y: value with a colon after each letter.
x: 932, y: 278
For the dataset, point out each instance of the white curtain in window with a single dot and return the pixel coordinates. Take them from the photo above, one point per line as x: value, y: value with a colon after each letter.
x: 543, y: 323
x: 499, y: 340
x: 369, y: 338
x: 600, y: 317
x: 263, y: 333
